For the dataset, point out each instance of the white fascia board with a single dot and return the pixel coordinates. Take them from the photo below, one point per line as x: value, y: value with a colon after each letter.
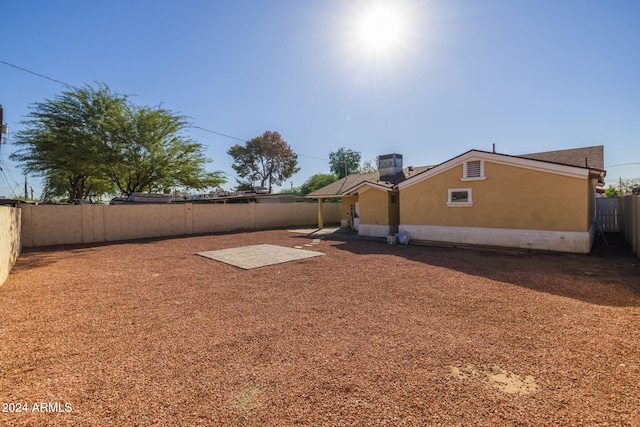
x: 502, y: 159
x: 367, y: 186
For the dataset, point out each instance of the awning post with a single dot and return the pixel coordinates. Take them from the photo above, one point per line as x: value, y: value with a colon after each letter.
x: 320, y: 219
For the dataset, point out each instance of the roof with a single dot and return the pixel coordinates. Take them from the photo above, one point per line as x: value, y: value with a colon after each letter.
x: 343, y: 185
x: 573, y: 170
x: 591, y: 157
x: 586, y: 158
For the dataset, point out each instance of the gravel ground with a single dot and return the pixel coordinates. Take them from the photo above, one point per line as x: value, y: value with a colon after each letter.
x: 148, y: 333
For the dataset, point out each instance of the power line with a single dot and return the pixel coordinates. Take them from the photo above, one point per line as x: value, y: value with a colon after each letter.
x: 75, y: 87
x: 311, y: 157
x: 192, y: 126
x: 39, y: 75
x: 218, y: 133
x: 6, y: 170
x: 623, y: 164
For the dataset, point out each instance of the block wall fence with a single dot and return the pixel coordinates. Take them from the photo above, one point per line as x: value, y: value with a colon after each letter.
x: 10, y: 242
x: 44, y: 225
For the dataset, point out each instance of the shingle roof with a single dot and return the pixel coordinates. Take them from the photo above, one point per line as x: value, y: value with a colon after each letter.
x: 592, y: 157
x: 341, y: 186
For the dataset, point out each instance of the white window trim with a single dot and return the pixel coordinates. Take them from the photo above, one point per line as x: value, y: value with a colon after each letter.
x: 475, y: 178
x: 453, y: 204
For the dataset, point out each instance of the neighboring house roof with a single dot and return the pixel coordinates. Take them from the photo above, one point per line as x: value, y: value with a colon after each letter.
x: 591, y: 157
x: 345, y: 185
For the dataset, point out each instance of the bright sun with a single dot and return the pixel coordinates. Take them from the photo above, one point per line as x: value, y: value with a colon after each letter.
x: 380, y: 28
x: 380, y: 37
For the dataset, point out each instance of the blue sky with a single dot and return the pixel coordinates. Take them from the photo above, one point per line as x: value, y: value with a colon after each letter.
x: 526, y: 75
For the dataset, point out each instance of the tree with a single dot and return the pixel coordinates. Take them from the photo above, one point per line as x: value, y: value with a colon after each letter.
x: 610, y: 192
x: 58, y: 185
x: 624, y: 187
x: 369, y: 166
x: 90, y: 141
x: 266, y: 158
x: 317, y: 181
x: 63, y: 138
x: 149, y: 153
x: 344, y: 161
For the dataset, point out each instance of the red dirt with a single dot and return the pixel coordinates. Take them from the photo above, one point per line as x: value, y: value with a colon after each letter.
x: 148, y: 333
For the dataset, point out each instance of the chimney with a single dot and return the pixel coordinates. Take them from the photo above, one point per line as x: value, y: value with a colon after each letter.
x: 389, y: 164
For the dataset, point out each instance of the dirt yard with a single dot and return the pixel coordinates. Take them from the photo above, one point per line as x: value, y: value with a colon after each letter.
x: 147, y: 333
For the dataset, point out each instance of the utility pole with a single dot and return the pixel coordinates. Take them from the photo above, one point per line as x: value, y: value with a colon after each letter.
x: 4, y: 129
x: 620, y: 193
x: 26, y: 192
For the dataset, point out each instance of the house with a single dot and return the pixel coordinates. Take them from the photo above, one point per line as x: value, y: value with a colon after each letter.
x: 541, y: 201
x: 381, y: 215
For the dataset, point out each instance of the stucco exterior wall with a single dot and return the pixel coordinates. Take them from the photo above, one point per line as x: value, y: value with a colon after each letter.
x: 374, y: 207
x: 44, y: 225
x: 347, y: 201
x: 10, y: 243
x: 509, y: 198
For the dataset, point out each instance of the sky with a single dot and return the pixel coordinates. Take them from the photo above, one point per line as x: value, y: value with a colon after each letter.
x: 429, y: 79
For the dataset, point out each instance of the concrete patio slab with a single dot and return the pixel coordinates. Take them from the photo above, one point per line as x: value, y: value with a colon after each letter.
x: 315, y: 231
x: 255, y: 256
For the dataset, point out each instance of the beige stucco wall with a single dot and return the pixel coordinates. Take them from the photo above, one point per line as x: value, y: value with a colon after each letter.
x: 347, y: 201
x: 10, y: 243
x: 374, y: 207
x: 44, y: 225
x: 509, y: 198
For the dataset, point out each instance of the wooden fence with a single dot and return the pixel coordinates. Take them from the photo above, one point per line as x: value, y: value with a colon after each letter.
x: 608, y: 215
x: 630, y: 221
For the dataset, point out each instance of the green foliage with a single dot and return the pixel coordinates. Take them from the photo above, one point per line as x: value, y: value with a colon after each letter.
x: 150, y: 154
x: 266, y: 158
x: 317, y: 181
x: 63, y: 138
x: 243, y: 185
x: 90, y: 142
x: 624, y: 188
x: 369, y: 166
x: 344, y: 162
x: 58, y: 186
x: 610, y: 192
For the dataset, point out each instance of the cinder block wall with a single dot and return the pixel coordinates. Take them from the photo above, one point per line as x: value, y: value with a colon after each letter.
x: 44, y: 225
x: 10, y: 221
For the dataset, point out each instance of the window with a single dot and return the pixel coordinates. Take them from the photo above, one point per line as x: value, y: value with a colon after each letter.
x: 460, y: 197
x: 473, y: 170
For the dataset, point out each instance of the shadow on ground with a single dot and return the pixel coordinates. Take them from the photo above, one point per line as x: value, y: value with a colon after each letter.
x: 609, y: 276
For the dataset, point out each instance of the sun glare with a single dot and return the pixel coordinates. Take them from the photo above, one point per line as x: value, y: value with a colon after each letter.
x: 380, y: 38
x: 380, y: 28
